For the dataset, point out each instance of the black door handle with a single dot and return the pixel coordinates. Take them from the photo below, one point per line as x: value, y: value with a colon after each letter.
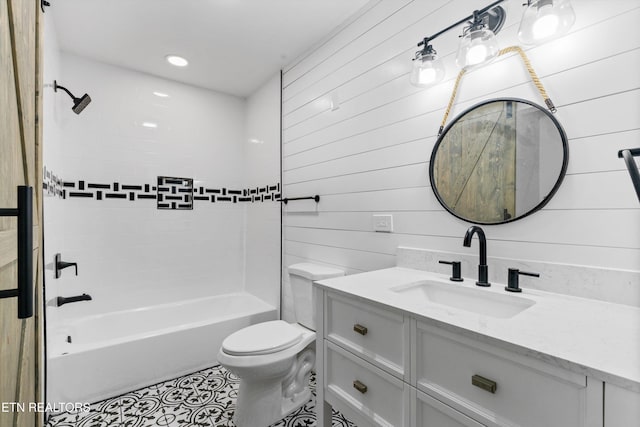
x: 24, y: 292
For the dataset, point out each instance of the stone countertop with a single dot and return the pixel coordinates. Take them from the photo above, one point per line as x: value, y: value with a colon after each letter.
x: 590, y: 337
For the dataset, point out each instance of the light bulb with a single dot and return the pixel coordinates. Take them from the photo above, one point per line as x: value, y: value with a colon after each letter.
x: 544, y: 20
x: 546, y: 24
x: 476, y: 54
x: 428, y: 70
x: 427, y: 75
x: 477, y: 47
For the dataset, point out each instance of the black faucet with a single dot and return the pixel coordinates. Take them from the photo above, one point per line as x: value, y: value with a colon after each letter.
x: 66, y: 300
x: 483, y: 269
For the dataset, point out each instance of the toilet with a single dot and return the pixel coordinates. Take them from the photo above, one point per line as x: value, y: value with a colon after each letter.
x: 273, y: 360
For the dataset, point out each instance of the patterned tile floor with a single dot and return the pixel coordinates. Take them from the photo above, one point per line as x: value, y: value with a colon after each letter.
x: 202, y: 399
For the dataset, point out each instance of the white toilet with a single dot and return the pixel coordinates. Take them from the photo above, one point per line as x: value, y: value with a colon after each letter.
x: 274, y: 359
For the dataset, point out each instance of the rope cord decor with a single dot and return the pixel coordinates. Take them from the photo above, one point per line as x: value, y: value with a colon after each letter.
x: 532, y: 73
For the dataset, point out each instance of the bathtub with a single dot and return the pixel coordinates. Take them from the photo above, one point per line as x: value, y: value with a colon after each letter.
x: 100, y: 356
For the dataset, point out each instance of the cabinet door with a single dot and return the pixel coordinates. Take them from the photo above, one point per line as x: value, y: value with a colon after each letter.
x: 431, y: 412
x: 621, y: 407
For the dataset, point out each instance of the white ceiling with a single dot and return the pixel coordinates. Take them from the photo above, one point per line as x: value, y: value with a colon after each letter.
x: 233, y: 46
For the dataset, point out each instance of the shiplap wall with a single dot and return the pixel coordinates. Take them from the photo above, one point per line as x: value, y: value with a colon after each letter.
x: 371, y: 154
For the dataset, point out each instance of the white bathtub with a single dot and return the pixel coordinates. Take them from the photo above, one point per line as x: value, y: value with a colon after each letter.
x: 110, y: 354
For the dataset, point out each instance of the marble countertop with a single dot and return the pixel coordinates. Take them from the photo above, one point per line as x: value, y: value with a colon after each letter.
x: 590, y: 337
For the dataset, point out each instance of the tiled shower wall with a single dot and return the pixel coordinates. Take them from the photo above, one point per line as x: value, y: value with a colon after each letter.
x: 262, y: 220
x: 368, y: 153
x: 129, y: 252
x: 52, y: 155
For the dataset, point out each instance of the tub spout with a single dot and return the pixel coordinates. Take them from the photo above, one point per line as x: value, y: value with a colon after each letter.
x: 65, y: 300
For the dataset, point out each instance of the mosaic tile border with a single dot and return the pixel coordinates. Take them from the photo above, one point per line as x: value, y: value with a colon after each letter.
x: 202, y: 399
x: 175, y: 193
x: 82, y: 189
x: 51, y: 184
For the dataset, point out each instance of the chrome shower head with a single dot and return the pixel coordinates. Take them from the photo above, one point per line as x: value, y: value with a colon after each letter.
x: 79, y: 104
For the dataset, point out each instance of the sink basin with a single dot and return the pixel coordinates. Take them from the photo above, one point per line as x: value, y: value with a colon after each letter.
x: 478, y: 301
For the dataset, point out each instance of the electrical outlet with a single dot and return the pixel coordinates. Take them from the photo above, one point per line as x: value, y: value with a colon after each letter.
x: 383, y: 223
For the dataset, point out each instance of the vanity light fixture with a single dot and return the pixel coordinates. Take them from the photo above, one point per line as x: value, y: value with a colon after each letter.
x: 428, y: 69
x: 478, y: 45
x: 544, y: 20
x: 176, y: 60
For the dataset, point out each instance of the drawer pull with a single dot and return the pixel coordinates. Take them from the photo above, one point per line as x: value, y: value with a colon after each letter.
x: 360, y: 387
x: 484, y: 383
x: 362, y: 330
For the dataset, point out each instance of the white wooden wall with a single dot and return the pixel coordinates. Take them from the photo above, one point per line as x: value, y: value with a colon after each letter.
x: 371, y: 154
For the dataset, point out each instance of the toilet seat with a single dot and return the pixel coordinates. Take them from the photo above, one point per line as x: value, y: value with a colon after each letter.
x: 262, y: 338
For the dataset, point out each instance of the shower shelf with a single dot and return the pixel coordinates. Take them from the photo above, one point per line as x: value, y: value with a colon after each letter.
x: 628, y: 155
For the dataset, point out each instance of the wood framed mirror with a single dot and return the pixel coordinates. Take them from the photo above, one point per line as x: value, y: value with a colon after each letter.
x: 499, y: 161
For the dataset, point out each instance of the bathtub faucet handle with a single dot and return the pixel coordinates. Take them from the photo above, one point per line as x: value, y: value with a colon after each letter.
x: 60, y: 265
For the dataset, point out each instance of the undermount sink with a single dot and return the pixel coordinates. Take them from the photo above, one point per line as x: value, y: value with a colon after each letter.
x: 479, y: 301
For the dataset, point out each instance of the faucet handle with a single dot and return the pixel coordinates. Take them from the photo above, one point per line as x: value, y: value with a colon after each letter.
x: 457, y: 270
x: 513, y: 279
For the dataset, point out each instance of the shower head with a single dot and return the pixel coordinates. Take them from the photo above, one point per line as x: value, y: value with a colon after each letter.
x: 79, y: 104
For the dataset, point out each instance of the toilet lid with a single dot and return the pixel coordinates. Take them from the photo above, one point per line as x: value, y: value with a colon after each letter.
x: 262, y: 338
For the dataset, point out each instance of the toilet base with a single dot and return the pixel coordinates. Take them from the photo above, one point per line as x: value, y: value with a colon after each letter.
x: 261, y: 404
x: 272, y: 385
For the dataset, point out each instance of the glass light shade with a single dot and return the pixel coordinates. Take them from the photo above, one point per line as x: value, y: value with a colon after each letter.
x: 428, y: 70
x: 544, y: 20
x: 477, y: 47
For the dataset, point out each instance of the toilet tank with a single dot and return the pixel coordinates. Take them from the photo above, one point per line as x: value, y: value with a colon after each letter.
x: 301, y: 277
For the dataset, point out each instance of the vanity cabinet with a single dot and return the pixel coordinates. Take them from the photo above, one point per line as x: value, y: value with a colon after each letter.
x: 621, y: 406
x: 385, y: 367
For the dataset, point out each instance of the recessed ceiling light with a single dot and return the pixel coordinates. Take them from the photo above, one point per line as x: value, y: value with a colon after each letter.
x: 176, y: 60
x: 150, y: 125
x: 161, y: 94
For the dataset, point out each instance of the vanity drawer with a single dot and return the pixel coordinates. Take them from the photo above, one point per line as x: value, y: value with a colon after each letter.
x: 431, y: 412
x: 379, y: 336
x: 372, y: 395
x: 462, y: 373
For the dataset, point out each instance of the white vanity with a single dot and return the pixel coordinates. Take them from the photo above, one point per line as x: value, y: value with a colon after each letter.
x: 404, y: 347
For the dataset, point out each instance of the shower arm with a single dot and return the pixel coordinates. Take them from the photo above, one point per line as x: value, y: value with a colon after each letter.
x: 56, y: 86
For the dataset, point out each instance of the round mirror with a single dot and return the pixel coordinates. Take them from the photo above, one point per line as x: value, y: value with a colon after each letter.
x: 499, y: 161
